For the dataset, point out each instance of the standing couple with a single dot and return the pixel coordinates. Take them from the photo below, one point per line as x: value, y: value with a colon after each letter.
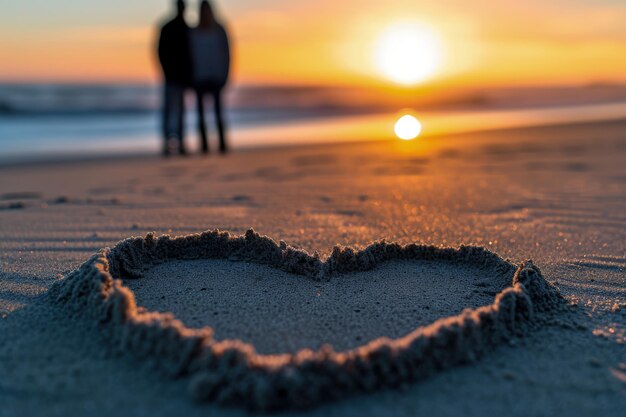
x: 196, y: 58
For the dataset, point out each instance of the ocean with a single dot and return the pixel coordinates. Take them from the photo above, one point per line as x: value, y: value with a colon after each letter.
x: 45, y: 121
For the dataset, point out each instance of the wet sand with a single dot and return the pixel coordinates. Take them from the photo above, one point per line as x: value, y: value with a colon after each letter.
x: 556, y: 195
x: 278, y: 312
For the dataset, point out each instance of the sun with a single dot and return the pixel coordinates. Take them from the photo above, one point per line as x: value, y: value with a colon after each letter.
x: 408, y: 53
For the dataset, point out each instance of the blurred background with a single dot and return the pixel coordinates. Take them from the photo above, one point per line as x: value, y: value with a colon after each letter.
x: 81, y: 77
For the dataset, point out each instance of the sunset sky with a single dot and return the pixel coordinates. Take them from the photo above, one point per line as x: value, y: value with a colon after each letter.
x: 479, y: 42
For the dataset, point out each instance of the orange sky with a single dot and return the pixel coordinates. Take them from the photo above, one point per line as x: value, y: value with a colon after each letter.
x: 322, y: 41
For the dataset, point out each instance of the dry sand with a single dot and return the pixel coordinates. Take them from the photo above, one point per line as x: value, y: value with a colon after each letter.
x: 556, y: 195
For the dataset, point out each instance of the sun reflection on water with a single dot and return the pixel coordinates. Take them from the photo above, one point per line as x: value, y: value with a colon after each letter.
x: 408, y: 127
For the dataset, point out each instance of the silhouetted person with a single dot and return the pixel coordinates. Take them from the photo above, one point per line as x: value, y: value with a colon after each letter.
x: 210, y: 54
x: 175, y: 58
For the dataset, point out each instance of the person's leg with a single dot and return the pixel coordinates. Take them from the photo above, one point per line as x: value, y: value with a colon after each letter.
x: 180, y: 118
x: 221, y: 127
x: 204, y: 140
x: 167, y: 117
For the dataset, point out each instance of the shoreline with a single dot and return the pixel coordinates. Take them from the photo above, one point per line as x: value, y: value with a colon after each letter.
x: 148, y: 156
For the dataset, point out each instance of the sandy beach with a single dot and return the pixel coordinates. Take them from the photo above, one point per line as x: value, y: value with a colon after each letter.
x: 553, y: 194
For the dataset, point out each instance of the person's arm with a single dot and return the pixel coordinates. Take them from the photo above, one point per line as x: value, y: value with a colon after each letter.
x: 161, y: 47
x: 227, y: 54
x: 188, y: 55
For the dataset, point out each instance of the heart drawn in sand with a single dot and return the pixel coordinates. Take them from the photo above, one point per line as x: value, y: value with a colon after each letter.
x: 232, y: 372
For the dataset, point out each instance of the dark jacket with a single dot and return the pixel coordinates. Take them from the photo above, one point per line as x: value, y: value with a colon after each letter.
x: 221, y: 58
x: 174, y: 52
x: 225, y: 53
